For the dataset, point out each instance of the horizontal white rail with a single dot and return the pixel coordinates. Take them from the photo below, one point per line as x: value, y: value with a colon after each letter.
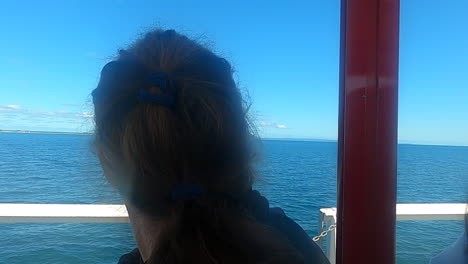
x: 117, y: 213
x: 63, y: 213
x: 418, y: 212
x: 404, y: 212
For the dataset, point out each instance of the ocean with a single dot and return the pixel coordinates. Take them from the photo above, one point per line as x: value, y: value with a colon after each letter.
x: 299, y: 176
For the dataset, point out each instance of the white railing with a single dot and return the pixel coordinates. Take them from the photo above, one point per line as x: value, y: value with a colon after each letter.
x: 404, y: 212
x: 63, y: 213
x: 116, y: 213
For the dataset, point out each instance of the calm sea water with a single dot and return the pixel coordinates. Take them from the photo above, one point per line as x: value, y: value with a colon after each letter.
x: 297, y: 176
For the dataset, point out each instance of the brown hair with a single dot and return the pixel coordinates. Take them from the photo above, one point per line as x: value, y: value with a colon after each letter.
x: 204, y: 139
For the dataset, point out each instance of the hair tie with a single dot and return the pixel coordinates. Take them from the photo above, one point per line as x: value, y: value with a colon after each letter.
x: 133, y: 72
x: 160, y: 80
x: 186, y: 191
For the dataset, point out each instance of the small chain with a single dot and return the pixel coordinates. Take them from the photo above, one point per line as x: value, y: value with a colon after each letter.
x: 324, y: 233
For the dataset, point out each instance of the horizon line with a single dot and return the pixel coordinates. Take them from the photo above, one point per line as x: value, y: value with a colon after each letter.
x: 400, y: 142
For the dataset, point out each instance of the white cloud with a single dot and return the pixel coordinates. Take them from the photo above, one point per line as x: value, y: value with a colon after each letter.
x: 70, y: 104
x: 16, y: 116
x: 263, y: 123
x: 31, y: 113
x: 15, y: 107
x: 85, y: 115
x: 272, y: 124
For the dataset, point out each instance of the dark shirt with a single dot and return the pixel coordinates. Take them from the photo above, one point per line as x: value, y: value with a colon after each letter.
x: 278, y: 219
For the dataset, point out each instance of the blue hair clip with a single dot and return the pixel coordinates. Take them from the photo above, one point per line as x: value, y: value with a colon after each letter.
x: 160, y: 80
x: 151, y: 98
x: 186, y: 191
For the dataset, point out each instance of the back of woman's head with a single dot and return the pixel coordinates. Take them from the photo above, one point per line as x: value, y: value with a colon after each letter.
x: 195, y: 133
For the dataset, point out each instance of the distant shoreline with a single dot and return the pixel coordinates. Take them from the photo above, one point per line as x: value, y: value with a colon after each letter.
x: 268, y: 139
x: 44, y: 132
x: 301, y: 139
x: 336, y: 141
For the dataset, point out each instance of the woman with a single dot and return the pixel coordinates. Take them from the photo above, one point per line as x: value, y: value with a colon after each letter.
x: 172, y: 136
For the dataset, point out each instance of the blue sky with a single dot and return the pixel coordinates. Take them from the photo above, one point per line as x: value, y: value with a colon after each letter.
x: 285, y: 55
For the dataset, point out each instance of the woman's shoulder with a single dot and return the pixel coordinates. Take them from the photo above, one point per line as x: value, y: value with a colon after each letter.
x: 133, y: 257
x: 274, y: 217
x: 297, y: 236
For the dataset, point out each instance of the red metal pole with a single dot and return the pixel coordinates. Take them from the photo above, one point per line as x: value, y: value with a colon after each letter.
x: 367, y: 143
